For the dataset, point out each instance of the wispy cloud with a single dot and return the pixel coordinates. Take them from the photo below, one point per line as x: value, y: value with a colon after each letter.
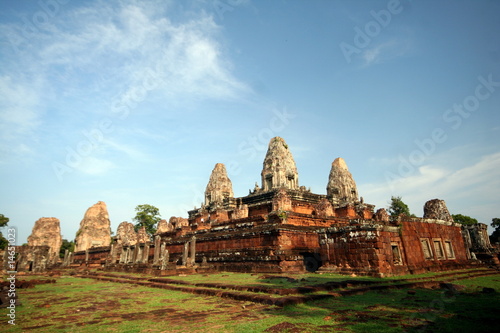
x: 383, y: 52
x: 90, y: 57
x: 19, y: 115
x: 126, y: 149
x: 457, y: 186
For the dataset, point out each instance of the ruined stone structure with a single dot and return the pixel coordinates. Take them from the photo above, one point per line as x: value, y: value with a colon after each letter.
x: 219, y: 186
x: 125, y: 234
x: 142, y: 235
x: 95, y: 229
x: 47, y: 232
x: 31, y: 258
x: 341, y: 189
x: 436, y: 209
x: 283, y: 227
x: 163, y: 226
x: 279, y: 169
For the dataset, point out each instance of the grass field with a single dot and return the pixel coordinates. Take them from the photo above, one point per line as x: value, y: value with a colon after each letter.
x: 75, y: 304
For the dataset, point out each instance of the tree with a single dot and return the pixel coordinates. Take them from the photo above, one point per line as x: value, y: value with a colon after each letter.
x: 147, y: 216
x: 3, y: 241
x: 464, y: 219
x: 3, y: 221
x: 495, y: 236
x: 398, y: 207
x: 66, y: 245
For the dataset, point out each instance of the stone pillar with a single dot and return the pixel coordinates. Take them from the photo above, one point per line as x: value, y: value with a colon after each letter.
x: 6, y: 261
x: 134, y: 254
x: 86, y: 256
x: 138, y: 253
x: 185, y: 254
x: 193, y: 250
x: 71, y: 257
x: 164, y: 257
x: 122, y: 255
x: 113, y: 254
x: 43, y: 264
x: 145, y: 254
x: 157, y: 250
x: 66, y: 257
x: 161, y: 259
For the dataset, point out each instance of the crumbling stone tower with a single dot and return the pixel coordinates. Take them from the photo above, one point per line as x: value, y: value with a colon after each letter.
x: 125, y: 234
x: 279, y: 170
x: 436, y: 209
x: 47, y: 232
x: 94, y: 229
x: 219, y: 186
x: 341, y: 188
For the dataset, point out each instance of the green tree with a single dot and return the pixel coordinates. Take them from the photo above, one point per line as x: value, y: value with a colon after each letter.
x: 147, y: 216
x: 3, y: 221
x: 495, y: 236
x: 398, y: 207
x: 464, y: 219
x: 66, y: 245
x: 3, y: 241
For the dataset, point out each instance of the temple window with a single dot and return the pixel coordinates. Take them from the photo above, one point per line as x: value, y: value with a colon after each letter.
x: 438, y: 247
x: 396, y: 255
x: 448, y: 247
x: 426, y: 249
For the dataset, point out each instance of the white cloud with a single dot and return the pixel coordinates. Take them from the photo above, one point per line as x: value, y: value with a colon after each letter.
x: 19, y: 114
x: 89, y: 58
x: 383, y: 52
x: 466, y: 190
x: 128, y: 150
x: 17, y: 102
x: 130, y: 41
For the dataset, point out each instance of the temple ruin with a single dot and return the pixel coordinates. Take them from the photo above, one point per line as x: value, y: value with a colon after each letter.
x: 95, y: 228
x: 47, y: 232
x: 281, y: 226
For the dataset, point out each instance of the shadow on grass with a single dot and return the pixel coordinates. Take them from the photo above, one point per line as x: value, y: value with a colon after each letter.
x: 452, y: 309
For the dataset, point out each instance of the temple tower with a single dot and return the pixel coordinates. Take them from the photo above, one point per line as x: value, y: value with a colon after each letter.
x: 95, y: 228
x: 279, y: 170
x: 436, y: 209
x: 341, y: 188
x: 219, y: 186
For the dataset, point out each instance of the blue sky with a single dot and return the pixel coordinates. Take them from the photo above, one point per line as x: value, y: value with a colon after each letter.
x: 134, y: 102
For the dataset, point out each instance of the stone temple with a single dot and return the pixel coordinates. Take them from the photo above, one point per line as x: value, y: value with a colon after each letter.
x: 280, y: 226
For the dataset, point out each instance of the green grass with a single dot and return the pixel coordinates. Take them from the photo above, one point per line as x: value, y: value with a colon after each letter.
x: 477, y: 284
x: 258, y: 279
x: 86, y: 305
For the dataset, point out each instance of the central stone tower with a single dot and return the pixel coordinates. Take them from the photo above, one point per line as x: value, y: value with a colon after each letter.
x: 279, y: 169
x: 219, y: 186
